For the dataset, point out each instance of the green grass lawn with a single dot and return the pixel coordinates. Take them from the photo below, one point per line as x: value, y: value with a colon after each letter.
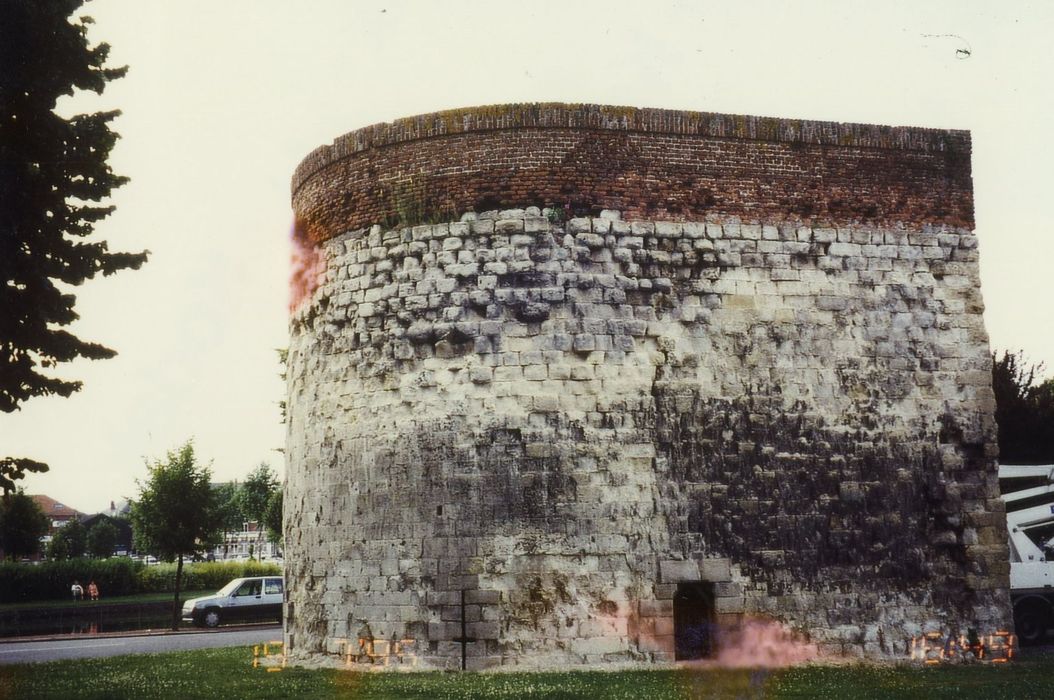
x: 228, y: 674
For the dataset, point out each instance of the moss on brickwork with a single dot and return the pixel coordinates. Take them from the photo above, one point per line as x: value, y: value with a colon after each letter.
x: 656, y: 164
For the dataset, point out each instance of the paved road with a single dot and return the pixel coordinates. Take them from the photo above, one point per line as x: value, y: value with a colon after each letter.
x: 13, y: 652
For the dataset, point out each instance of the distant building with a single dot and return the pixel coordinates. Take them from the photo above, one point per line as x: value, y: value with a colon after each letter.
x: 123, y: 543
x: 122, y: 508
x: 58, y: 513
x: 249, y: 542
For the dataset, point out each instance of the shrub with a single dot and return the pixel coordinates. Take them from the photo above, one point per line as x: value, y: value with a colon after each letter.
x: 202, y: 576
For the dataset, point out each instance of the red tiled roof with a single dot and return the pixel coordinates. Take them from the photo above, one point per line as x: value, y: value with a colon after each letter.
x: 54, y: 509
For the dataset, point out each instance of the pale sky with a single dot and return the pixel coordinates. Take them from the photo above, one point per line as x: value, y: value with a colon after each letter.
x: 223, y: 99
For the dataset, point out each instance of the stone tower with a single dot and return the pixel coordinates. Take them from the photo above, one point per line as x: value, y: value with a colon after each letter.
x: 570, y: 383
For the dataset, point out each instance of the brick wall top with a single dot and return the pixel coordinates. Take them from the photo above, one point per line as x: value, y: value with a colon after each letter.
x: 845, y: 172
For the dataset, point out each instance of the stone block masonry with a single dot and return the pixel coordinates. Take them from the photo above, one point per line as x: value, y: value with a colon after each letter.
x: 518, y: 437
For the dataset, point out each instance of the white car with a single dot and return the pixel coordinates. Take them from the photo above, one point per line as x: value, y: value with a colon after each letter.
x: 253, y: 599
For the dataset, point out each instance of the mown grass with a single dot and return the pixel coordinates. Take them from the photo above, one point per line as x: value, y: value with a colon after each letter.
x: 228, y: 674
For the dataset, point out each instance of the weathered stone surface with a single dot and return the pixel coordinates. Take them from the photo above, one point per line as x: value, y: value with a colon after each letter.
x: 677, y: 571
x: 600, y: 413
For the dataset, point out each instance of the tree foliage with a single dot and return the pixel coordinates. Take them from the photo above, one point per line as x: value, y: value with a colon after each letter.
x: 229, y: 502
x: 53, y: 176
x: 22, y: 524
x: 58, y: 550
x: 273, y: 517
x: 102, y: 538
x: 256, y: 491
x: 176, y: 514
x: 14, y: 468
x: 75, y: 538
x: 1024, y: 410
x: 283, y: 359
x: 258, y: 498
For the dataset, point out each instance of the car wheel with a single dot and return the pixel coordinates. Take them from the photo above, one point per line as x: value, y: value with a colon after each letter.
x: 212, y: 618
x: 1031, y: 620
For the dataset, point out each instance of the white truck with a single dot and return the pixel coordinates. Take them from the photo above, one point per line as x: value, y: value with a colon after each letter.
x: 1028, y: 491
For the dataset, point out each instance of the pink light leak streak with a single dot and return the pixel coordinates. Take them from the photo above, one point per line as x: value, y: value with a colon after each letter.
x: 306, y: 265
x: 756, y: 643
x: 762, y: 644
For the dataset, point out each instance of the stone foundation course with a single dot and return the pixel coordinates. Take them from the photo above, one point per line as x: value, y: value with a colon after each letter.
x: 596, y: 425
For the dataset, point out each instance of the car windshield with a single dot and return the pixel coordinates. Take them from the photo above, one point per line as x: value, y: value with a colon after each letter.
x: 229, y: 588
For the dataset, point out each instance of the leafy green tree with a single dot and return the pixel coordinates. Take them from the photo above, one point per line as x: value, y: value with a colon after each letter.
x: 22, y: 524
x: 75, y: 537
x: 229, y: 502
x: 102, y: 537
x: 58, y: 550
x: 256, y: 492
x: 176, y: 515
x: 53, y: 173
x: 14, y: 468
x: 1024, y: 410
x: 273, y: 517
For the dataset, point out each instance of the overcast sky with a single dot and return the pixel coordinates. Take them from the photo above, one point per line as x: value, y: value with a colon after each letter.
x: 223, y: 99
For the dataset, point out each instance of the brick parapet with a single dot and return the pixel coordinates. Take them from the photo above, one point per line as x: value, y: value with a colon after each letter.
x: 659, y: 164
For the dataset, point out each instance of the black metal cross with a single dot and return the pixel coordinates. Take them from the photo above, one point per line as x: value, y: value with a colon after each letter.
x: 464, y: 639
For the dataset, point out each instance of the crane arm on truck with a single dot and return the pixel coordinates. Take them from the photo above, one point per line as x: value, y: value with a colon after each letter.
x: 1019, y: 523
x: 1030, y: 521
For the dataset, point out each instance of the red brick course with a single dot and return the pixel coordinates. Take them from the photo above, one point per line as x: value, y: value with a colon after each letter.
x: 649, y: 164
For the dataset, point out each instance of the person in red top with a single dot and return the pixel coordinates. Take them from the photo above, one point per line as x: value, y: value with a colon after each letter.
x: 93, y: 591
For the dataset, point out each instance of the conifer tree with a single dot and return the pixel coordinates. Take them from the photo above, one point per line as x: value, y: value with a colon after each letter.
x: 1024, y: 410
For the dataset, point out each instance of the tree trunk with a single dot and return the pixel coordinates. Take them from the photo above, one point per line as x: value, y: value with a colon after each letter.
x: 175, y: 601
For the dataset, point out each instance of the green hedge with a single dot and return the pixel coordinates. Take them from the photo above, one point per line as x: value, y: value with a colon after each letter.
x: 52, y: 579
x: 118, y: 576
x: 210, y: 576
